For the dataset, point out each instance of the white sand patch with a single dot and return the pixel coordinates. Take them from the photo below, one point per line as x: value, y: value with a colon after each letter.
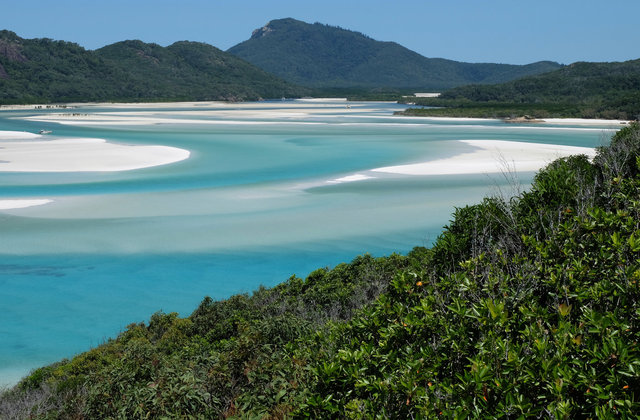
x: 18, y: 135
x: 82, y: 155
x: 584, y: 121
x: 453, y: 119
x: 426, y: 94
x: 228, y: 117
x: 204, y: 113
x: 101, y: 120
x: 321, y: 100
x: 350, y: 178
x: 492, y: 156
x: 22, y: 203
x: 558, y: 121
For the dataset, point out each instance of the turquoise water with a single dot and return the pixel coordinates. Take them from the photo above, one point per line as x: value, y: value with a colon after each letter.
x: 251, y: 206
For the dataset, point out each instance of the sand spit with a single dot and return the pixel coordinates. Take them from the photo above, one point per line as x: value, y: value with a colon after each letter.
x: 22, y: 203
x: 28, y: 152
x: 491, y: 156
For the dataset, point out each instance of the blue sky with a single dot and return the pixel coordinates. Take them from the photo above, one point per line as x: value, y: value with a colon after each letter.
x: 513, y: 31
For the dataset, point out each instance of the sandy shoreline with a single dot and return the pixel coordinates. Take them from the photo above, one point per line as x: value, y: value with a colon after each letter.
x: 32, y: 153
x: 268, y: 116
x: 236, y: 112
x: 22, y: 203
x: 206, y: 114
x: 491, y: 156
x: 488, y: 157
x: 329, y: 103
x: 584, y: 121
x: 28, y: 152
x: 554, y: 121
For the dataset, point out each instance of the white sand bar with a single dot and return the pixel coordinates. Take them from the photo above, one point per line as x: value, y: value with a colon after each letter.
x: 28, y: 152
x: 587, y: 122
x: 349, y: 178
x: 492, y: 156
x: 18, y: 135
x: 22, y: 203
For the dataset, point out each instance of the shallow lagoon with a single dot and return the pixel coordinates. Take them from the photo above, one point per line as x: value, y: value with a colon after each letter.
x: 260, y: 199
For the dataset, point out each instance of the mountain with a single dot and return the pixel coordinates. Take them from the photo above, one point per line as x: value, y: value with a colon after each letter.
x: 43, y: 70
x: 323, y: 56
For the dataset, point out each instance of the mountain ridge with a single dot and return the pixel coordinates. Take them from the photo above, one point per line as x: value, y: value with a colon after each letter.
x: 323, y: 56
x: 44, y: 70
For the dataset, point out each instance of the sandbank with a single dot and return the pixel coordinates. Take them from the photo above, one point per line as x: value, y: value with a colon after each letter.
x: 22, y: 203
x: 124, y: 120
x: 452, y: 119
x: 491, y: 156
x: 584, y: 121
x: 349, y: 178
x: 257, y: 113
x: 28, y: 152
x: 554, y: 121
x: 425, y: 95
x: 18, y: 135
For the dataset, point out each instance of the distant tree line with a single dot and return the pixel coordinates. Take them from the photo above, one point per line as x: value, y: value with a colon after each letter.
x: 585, y: 90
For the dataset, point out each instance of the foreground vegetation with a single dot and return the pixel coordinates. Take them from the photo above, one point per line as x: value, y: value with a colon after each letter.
x: 581, y: 90
x: 524, y: 307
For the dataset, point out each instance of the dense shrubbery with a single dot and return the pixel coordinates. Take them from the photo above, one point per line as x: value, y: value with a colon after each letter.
x: 526, y: 307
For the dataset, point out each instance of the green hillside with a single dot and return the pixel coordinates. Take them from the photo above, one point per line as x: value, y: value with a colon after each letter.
x: 524, y: 307
x: 323, y: 56
x: 43, y: 70
x: 587, y: 90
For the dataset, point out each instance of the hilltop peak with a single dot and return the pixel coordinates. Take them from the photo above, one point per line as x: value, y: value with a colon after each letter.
x: 320, y: 55
x: 274, y: 25
x: 260, y: 32
x: 9, y: 35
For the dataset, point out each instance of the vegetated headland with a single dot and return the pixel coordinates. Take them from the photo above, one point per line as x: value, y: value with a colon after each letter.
x: 524, y: 306
x: 580, y: 90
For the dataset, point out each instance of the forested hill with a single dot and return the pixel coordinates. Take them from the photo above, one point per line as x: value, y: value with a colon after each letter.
x: 525, y: 307
x: 323, y: 56
x: 43, y: 70
x: 609, y: 90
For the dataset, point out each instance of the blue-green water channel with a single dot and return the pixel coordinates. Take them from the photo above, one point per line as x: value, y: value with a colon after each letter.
x: 251, y: 206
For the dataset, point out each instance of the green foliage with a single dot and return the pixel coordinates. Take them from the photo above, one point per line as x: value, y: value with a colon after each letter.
x: 527, y: 307
x: 42, y: 70
x: 548, y: 331
x: 585, y: 90
x: 322, y: 56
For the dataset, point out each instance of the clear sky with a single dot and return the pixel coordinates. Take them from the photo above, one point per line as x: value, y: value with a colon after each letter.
x: 499, y: 31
